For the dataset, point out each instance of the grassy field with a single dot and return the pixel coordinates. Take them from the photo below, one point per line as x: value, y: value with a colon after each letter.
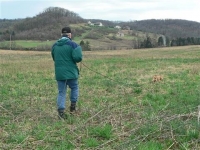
x: 29, y: 43
x: 119, y: 106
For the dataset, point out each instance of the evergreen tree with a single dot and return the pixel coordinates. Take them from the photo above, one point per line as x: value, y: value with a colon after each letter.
x: 146, y: 43
x: 167, y: 41
x: 82, y: 43
x: 160, y: 41
x: 85, y: 45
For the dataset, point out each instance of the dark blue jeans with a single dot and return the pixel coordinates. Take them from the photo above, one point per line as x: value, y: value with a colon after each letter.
x: 62, y: 92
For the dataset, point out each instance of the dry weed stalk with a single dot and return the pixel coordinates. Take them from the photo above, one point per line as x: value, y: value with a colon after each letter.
x: 199, y: 114
x: 7, y: 111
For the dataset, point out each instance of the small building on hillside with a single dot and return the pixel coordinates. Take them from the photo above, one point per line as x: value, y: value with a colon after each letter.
x: 117, y: 27
x: 98, y: 24
x: 120, y: 34
x: 90, y: 23
x: 126, y: 28
x: 95, y: 24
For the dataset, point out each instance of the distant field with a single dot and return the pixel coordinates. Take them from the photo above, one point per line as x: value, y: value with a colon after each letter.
x: 33, y: 43
x: 28, y: 43
x: 119, y: 106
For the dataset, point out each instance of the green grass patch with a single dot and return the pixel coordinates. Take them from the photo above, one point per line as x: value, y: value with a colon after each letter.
x: 119, y: 106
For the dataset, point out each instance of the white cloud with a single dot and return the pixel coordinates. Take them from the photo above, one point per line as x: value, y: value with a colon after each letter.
x: 134, y: 9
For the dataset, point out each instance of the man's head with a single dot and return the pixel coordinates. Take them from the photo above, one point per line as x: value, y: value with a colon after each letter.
x: 66, y: 31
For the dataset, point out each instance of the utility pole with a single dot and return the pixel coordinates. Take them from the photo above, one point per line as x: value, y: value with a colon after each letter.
x: 10, y: 40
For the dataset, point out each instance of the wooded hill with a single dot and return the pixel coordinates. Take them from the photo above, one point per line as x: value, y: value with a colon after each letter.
x: 47, y: 26
x: 168, y: 27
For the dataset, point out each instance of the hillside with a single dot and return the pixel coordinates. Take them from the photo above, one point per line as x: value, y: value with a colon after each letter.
x: 171, y: 28
x: 47, y: 25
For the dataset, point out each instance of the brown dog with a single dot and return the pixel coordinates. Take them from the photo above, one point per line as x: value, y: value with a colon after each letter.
x: 157, y: 78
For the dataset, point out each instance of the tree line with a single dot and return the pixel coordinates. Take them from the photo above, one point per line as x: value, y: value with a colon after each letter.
x: 147, y: 43
x: 185, y: 41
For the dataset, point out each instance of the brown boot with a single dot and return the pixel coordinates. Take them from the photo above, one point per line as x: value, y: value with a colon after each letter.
x: 73, y: 108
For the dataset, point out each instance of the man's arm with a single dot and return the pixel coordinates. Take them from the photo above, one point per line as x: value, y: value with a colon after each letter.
x: 77, y: 54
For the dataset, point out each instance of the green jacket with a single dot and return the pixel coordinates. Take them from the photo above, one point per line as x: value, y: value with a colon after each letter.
x: 66, y: 54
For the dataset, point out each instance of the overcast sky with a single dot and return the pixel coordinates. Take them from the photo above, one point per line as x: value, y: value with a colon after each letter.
x: 113, y: 10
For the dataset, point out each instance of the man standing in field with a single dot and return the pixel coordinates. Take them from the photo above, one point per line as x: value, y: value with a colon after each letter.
x: 66, y: 54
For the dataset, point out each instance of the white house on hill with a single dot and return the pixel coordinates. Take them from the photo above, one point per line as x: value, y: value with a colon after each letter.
x: 117, y: 27
x: 95, y: 24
